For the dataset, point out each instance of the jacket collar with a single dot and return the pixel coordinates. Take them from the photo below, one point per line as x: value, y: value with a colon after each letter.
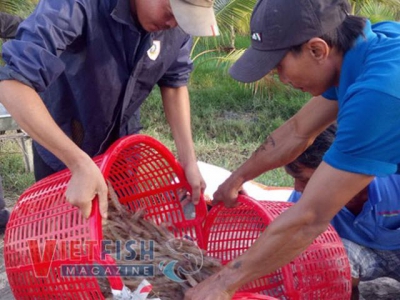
x: 122, y: 14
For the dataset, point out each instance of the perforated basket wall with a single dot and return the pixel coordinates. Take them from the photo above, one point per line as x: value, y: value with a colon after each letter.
x: 251, y: 296
x: 320, y: 272
x: 43, y: 226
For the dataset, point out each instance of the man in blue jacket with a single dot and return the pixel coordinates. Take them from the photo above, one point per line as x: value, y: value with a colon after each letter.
x: 79, y: 70
x: 352, y: 70
x: 369, y: 224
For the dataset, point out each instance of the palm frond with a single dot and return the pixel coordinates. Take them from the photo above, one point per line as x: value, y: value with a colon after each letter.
x: 233, y: 17
x: 377, y: 12
x: 233, y: 13
x: 12, y: 6
x: 385, y: 9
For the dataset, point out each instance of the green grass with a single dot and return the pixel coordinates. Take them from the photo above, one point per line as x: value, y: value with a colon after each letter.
x: 12, y: 169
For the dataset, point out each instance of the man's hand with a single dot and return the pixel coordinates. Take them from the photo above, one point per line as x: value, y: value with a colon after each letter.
x: 228, y: 192
x: 208, y: 290
x: 196, y: 181
x: 87, y: 182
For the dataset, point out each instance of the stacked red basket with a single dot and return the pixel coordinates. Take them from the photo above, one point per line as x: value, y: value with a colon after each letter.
x: 320, y: 272
x: 145, y: 174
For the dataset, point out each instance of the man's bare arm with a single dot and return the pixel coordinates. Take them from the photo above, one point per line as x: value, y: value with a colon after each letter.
x: 177, y: 111
x: 287, y: 236
x: 281, y: 147
x: 29, y: 111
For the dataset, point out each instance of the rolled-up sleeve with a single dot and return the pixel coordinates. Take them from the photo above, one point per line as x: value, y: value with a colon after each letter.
x: 33, y: 57
x: 178, y: 73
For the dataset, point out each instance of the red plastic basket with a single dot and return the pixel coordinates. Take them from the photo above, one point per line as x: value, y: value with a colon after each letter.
x: 143, y: 173
x: 251, y: 296
x: 320, y: 272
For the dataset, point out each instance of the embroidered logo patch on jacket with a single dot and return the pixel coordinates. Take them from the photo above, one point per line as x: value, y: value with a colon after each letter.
x: 154, y: 50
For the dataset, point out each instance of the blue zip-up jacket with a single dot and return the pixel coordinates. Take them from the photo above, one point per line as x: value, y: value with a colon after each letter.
x: 89, y: 61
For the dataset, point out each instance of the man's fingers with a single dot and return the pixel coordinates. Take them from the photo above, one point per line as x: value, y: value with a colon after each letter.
x: 214, y: 202
x: 243, y: 192
x: 86, y: 209
x: 196, y: 196
x: 103, y: 204
x: 85, y: 184
x: 231, y: 203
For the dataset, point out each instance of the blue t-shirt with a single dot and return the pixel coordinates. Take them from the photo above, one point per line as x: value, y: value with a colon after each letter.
x: 377, y: 226
x: 368, y: 136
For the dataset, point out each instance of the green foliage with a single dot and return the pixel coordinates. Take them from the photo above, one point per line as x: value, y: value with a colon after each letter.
x: 18, y: 7
x: 12, y: 6
x: 233, y: 16
x: 12, y: 169
x: 377, y: 10
x: 233, y: 13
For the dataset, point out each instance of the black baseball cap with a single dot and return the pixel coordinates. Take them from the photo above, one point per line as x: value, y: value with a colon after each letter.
x: 278, y: 25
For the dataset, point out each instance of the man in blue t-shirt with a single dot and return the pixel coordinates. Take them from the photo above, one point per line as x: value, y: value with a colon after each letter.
x: 369, y: 224
x: 352, y: 70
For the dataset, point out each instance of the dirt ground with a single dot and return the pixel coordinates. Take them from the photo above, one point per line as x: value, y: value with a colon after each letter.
x: 5, y: 292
